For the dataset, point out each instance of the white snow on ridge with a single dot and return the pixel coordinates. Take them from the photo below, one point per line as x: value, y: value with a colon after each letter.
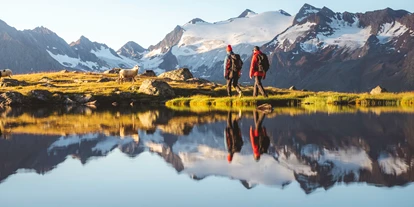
x: 73, y: 62
x: 390, y: 30
x: 64, y: 142
x: 293, y: 33
x: 256, y: 30
x: 112, y: 60
x: 209, y: 162
x: 344, y: 35
x: 392, y: 165
x: 109, y: 143
x: 344, y: 161
x: 103, y: 54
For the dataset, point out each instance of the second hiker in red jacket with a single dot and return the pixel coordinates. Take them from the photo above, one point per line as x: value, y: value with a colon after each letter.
x: 258, y: 75
x: 258, y: 136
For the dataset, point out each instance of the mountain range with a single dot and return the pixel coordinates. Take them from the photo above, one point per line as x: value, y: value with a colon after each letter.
x: 317, y: 49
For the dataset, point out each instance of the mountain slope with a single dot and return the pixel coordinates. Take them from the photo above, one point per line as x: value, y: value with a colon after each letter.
x: 41, y: 49
x: 22, y: 50
x: 132, y: 50
x: 200, y: 45
x: 324, y: 50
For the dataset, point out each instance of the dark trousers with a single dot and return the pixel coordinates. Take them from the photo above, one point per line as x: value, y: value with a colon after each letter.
x: 235, y: 82
x: 258, y: 119
x: 258, y: 86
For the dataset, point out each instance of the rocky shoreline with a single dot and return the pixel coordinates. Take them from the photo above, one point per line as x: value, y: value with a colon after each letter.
x: 152, y: 90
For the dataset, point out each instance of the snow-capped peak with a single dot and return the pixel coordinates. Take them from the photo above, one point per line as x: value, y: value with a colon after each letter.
x: 306, y: 11
x: 247, y: 13
x: 284, y: 12
x: 196, y: 20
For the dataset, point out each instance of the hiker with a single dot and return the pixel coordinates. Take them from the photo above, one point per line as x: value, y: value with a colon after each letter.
x: 234, y: 141
x: 258, y: 136
x: 258, y: 68
x: 232, y: 70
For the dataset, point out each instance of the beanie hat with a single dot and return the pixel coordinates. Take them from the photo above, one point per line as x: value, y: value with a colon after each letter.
x: 229, y: 48
x: 229, y: 158
x: 257, y: 48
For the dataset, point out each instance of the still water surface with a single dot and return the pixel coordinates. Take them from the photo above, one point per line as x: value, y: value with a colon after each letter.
x: 159, y: 157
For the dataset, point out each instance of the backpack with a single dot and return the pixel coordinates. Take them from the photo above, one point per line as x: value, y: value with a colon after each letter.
x: 262, y: 63
x: 236, y: 62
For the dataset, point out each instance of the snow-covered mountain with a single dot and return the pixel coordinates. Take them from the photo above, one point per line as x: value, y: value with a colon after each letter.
x: 92, y: 56
x: 324, y: 50
x: 199, y: 45
x: 132, y: 50
x: 317, y: 49
x: 41, y: 49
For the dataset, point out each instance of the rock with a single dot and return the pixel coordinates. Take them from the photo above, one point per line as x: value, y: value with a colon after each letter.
x: 378, y: 90
x: 266, y: 108
x: 41, y: 95
x: 64, y: 71
x: 91, y: 103
x: 197, y: 81
x: 124, y: 95
x: 48, y: 85
x: 156, y: 88
x: 12, y: 83
x: 149, y: 73
x: 181, y: 74
x: 103, y: 80
x: 45, y: 80
x: 11, y: 98
x: 82, y: 98
x: 112, y: 71
x: 292, y: 88
x: 69, y: 101
x: 133, y: 88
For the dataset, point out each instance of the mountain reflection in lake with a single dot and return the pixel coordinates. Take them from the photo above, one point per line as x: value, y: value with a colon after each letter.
x: 293, y: 149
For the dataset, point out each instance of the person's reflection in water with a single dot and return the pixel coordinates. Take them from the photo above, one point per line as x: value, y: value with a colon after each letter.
x: 258, y: 136
x: 234, y: 141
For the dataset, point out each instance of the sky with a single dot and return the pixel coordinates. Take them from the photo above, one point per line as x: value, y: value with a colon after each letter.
x: 146, y: 22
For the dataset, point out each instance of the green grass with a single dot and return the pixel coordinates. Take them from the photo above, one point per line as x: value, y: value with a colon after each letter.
x: 203, y: 96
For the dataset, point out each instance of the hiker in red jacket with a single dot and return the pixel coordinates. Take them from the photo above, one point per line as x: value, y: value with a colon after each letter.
x: 234, y: 141
x: 258, y: 136
x: 231, y: 74
x: 258, y: 75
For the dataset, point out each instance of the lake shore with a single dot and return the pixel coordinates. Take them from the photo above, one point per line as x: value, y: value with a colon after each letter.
x: 76, y: 88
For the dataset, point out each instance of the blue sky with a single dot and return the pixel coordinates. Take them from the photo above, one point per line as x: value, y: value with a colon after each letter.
x: 115, y: 22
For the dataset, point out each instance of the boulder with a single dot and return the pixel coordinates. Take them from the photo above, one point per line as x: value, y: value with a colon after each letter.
x: 103, y: 80
x: 181, y: 74
x: 197, y: 81
x: 156, y: 88
x: 41, y: 95
x: 292, y: 88
x: 82, y: 99
x: 112, y: 71
x: 45, y: 80
x: 378, y: 90
x: 49, y: 85
x: 149, y: 73
x: 11, y: 98
x: 265, y: 108
x: 6, y: 82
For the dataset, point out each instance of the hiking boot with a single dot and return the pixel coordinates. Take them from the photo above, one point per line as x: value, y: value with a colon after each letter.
x: 240, y: 94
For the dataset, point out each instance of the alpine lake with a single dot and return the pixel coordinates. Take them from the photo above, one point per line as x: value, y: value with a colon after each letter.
x: 134, y: 156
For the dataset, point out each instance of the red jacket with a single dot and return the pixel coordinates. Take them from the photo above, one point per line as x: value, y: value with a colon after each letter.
x: 259, y: 140
x: 253, y: 66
